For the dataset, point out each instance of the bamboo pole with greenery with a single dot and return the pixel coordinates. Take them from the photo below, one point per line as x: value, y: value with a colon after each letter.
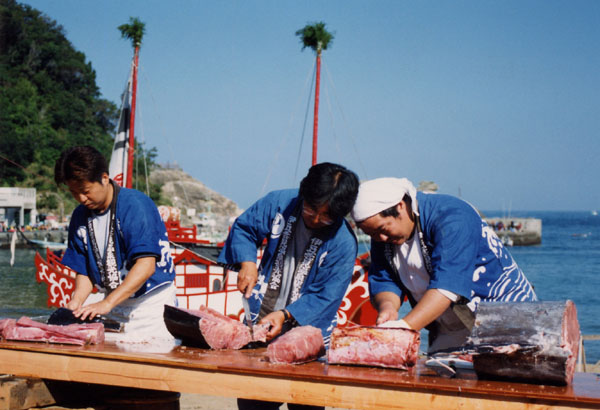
x: 133, y: 31
x: 316, y: 37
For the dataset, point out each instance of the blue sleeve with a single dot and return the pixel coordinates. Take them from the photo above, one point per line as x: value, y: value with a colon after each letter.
x: 455, y: 238
x: 381, y: 278
x: 75, y: 255
x: 141, y: 225
x: 323, y: 296
x: 249, y: 231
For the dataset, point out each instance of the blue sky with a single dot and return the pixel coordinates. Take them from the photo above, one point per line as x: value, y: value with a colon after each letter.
x: 495, y: 101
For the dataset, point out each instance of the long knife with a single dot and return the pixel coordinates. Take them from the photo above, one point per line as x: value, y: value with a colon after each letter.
x: 247, y: 314
x: 64, y: 316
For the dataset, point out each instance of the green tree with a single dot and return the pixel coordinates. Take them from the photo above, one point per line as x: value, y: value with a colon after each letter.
x: 49, y: 99
x: 145, y: 162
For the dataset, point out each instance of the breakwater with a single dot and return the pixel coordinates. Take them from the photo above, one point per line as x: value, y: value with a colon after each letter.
x: 517, y: 231
x: 40, y: 235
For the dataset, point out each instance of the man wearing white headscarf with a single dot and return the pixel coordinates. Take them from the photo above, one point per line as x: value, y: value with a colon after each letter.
x: 436, y: 251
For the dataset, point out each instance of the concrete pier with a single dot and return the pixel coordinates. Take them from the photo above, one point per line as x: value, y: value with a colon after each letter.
x: 517, y: 231
x: 40, y: 235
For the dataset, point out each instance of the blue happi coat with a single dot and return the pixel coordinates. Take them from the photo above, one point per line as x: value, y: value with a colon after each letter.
x: 467, y: 257
x: 140, y: 232
x: 329, y: 276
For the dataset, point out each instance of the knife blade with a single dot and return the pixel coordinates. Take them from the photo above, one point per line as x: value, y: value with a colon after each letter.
x: 247, y: 315
x: 64, y: 316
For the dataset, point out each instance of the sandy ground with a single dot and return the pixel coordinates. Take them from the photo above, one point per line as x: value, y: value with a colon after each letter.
x: 201, y: 402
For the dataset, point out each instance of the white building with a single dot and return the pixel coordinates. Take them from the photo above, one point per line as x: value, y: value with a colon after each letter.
x: 17, y: 206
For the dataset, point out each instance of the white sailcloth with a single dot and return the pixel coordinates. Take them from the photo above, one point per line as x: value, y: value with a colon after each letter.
x: 117, y: 168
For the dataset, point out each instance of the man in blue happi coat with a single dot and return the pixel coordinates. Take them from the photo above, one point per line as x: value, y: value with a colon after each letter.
x: 308, y: 260
x: 436, y: 251
x: 117, y: 244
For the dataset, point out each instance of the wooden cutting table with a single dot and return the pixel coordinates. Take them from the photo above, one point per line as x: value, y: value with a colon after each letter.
x: 247, y: 373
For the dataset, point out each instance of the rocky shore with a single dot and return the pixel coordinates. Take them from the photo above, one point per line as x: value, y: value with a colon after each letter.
x: 199, y: 205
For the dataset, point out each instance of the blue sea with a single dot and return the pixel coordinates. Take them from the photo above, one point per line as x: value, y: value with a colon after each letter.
x: 565, y: 266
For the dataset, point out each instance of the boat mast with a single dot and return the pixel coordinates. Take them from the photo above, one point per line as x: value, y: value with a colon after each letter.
x: 316, y: 37
x: 131, y: 145
x: 133, y: 31
x: 316, y: 122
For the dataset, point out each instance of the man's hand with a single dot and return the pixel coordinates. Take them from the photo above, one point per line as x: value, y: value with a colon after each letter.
x: 83, y: 288
x: 73, y: 305
x: 275, y: 319
x: 247, y: 277
x: 387, y: 304
x: 142, y: 269
x: 92, y: 310
x: 387, y: 315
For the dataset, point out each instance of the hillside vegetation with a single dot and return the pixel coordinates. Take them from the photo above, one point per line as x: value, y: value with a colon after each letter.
x: 49, y: 100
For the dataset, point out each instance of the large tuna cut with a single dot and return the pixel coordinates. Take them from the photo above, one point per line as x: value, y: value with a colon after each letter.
x: 207, y: 328
x: 29, y: 330
x: 374, y: 346
x: 528, y: 341
x: 299, y: 345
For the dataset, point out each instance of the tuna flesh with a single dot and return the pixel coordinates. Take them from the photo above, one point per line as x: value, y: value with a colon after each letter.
x: 207, y: 328
x: 26, y: 329
x: 299, y: 345
x: 374, y: 346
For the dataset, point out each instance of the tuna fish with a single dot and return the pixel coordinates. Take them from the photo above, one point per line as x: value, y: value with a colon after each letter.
x: 534, y: 342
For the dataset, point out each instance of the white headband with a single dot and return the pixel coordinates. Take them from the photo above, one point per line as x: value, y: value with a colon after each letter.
x: 380, y: 194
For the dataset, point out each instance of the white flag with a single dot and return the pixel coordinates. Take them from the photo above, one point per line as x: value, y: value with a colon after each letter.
x: 13, y: 244
x: 117, y: 169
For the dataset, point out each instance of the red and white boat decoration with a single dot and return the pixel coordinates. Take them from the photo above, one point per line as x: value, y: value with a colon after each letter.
x: 200, y: 281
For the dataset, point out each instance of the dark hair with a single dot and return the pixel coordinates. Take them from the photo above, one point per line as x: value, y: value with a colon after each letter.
x: 393, y: 210
x: 330, y: 184
x: 82, y: 163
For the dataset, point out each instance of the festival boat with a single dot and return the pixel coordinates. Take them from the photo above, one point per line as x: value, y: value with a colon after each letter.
x: 199, y: 279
